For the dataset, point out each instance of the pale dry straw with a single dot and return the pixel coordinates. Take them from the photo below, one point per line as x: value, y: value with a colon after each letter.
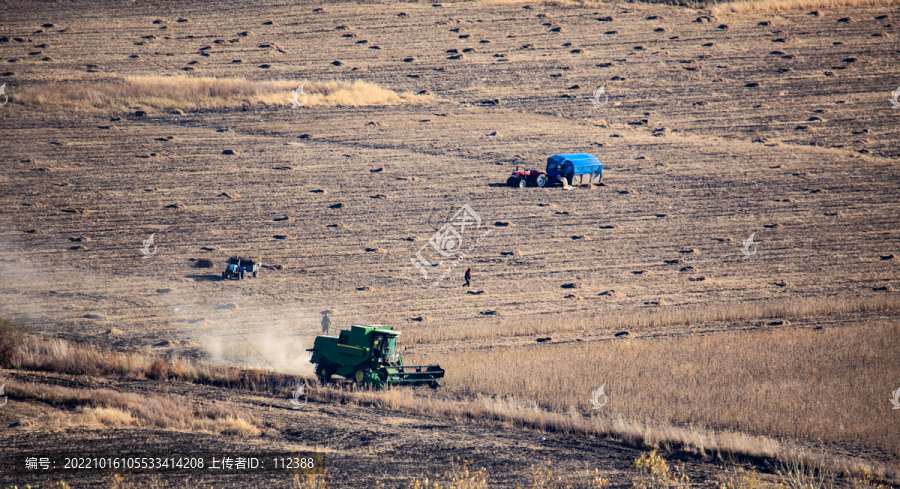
x: 167, y: 93
x: 830, y: 384
x: 792, y: 309
x: 763, y: 6
x: 111, y: 408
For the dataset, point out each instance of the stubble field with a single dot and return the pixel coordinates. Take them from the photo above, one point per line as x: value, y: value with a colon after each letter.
x: 717, y: 126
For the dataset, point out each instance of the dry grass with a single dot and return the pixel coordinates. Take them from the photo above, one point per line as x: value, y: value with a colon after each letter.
x: 11, y: 338
x: 763, y: 6
x: 654, y: 473
x: 810, y: 472
x: 550, y: 3
x: 717, y: 6
x: 656, y: 318
x: 719, y: 393
x: 528, y: 415
x: 830, y: 384
x: 458, y: 477
x: 187, y: 93
x: 106, y: 407
x: 60, y: 356
x: 741, y: 478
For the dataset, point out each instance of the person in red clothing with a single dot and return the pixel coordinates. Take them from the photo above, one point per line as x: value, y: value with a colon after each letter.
x: 468, y: 277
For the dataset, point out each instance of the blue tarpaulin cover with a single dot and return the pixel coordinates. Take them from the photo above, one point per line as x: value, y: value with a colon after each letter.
x: 581, y: 162
x: 578, y: 167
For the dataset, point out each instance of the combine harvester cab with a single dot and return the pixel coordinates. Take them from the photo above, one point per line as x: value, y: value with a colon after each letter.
x: 369, y: 355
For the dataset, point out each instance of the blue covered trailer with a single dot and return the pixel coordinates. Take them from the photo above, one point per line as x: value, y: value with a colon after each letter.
x: 575, y: 168
x: 579, y: 168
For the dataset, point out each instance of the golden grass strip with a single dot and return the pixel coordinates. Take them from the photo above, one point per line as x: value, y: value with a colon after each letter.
x: 167, y: 93
x: 55, y: 355
x: 658, y: 317
x: 522, y: 408
x: 111, y: 408
x: 545, y: 3
x: 831, y: 384
x: 717, y: 7
x: 527, y: 414
x: 765, y: 6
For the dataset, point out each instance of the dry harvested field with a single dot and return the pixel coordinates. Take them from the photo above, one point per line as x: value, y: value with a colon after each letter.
x: 185, y: 122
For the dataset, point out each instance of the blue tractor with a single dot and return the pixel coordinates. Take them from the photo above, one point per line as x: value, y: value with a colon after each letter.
x: 241, y: 268
x: 579, y: 168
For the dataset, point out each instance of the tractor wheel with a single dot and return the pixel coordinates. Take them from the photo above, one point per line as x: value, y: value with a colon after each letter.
x: 541, y: 180
x: 243, y: 275
x: 364, y: 376
x: 511, y: 181
x: 359, y: 375
x: 522, y: 183
x: 324, y: 373
x: 255, y: 273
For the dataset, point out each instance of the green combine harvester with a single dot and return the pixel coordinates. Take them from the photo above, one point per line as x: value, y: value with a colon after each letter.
x: 369, y: 356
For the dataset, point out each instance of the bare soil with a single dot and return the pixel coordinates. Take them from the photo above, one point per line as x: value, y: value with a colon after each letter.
x: 362, y: 445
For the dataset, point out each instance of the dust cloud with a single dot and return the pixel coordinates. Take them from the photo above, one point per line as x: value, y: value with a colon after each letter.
x: 286, y: 354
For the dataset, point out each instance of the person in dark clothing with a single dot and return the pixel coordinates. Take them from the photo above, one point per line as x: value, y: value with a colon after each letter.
x: 468, y: 277
x: 326, y: 323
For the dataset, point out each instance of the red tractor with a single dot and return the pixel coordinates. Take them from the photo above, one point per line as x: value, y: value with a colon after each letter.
x: 524, y: 178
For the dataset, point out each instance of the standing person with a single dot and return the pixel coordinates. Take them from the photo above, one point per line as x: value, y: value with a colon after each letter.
x: 468, y: 277
x: 326, y: 322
